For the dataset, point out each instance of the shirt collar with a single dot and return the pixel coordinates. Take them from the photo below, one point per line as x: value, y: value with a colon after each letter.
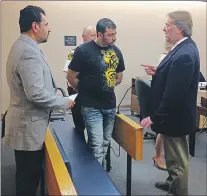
x: 177, y: 43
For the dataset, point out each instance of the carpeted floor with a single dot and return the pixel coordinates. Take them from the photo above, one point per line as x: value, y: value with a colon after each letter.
x: 144, y: 174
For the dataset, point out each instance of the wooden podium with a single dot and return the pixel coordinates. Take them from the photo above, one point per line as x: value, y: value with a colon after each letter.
x: 129, y: 135
x: 134, y: 100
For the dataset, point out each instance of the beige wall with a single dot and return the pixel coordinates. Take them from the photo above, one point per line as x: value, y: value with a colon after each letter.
x: 140, y: 35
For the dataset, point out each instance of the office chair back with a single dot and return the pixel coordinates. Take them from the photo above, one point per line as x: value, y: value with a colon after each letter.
x: 143, y: 93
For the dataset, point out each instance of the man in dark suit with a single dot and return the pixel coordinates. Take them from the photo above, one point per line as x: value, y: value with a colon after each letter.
x: 174, y: 93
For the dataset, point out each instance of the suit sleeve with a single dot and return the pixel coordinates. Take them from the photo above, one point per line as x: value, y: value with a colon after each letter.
x: 178, y: 82
x: 31, y: 73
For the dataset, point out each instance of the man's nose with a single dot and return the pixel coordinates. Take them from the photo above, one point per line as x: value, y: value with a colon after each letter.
x: 164, y: 29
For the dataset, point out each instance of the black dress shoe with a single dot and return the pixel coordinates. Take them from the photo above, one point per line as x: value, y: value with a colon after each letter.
x: 163, y: 186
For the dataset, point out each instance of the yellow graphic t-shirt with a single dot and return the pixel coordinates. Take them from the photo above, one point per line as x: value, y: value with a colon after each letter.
x: 111, y: 60
x: 97, y: 67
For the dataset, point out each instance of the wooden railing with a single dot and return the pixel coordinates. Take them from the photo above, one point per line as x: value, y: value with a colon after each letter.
x: 58, y: 179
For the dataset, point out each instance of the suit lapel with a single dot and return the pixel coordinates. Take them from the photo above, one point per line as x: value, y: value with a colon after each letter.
x: 43, y: 57
x: 171, y: 53
x: 35, y: 45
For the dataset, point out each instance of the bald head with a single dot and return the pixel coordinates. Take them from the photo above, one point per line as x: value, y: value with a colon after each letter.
x: 89, y: 33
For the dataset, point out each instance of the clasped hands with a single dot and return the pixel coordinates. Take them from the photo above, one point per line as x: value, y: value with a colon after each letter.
x: 71, y: 103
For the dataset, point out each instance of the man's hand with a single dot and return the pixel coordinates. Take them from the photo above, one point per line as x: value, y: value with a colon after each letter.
x: 71, y: 103
x: 150, y: 69
x: 146, y: 122
x: 72, y: 78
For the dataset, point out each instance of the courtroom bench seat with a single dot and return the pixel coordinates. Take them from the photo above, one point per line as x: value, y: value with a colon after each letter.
x: 88, y: 176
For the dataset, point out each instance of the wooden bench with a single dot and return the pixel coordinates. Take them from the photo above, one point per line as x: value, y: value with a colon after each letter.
x: 87, y: 175
x: 58, y: 179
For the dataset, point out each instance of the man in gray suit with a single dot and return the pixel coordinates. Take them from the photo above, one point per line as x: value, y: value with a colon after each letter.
x: 33, y: 96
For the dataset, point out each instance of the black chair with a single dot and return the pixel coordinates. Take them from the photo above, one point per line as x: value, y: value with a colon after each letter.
x: 143, y: 93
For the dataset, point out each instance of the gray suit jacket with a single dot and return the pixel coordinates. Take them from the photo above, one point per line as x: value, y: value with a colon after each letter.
x: 33, y: 96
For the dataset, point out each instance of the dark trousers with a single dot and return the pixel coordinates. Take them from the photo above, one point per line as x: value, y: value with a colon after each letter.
x: 78, y: 119
x: 28, y: 171
x: 77, y: 116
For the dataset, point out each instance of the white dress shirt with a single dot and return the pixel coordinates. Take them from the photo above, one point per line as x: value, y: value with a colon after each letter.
x: 177, y: 43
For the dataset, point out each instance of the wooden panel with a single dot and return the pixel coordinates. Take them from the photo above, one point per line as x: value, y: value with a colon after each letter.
x: 134, y: 104
x: 133, y: 91
x: 202, y: 122
x: 201, y: 93
x: 51, y: 180
x: 129, y: 135
x: 57, y: 176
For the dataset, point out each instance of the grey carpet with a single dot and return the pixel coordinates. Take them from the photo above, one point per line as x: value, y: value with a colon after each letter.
x: 144, y: 174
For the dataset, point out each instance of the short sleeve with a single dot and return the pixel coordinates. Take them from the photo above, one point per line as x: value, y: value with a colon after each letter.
x: 121, y: 65
x: 77, y: 61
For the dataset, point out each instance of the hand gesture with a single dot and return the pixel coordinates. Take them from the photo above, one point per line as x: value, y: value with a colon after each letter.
x: 150, y: 69
x: 146, y: 122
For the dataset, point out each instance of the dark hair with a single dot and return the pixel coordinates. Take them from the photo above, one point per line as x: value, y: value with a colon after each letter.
x: 103, y: 24
x: 28, y: 15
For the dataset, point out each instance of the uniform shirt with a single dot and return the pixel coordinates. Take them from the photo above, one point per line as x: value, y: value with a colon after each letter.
x: 70, y: 56
x: 67, y: 63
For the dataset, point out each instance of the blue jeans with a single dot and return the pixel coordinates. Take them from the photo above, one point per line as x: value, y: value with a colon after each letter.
x: 99, y: 124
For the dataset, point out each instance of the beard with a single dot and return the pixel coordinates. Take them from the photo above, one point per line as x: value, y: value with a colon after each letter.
x: 106, y: 44
x: 44, y: 41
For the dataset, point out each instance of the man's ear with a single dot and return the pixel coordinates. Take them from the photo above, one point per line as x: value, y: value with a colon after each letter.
x: 180, y: 31
x: 34, y: 27
x: 99, y: 34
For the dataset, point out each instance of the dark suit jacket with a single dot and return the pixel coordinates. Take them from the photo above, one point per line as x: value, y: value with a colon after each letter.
x: 174, y: 91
